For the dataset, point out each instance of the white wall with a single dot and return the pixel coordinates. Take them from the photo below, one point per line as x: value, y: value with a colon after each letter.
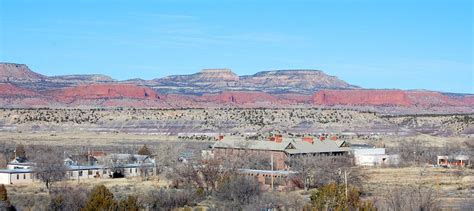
x: 369, y: 151
x: 5, y: 178
x: 20, y: 178
x: 16, y: 178
x: 11, y: 178
x: 375, y: 160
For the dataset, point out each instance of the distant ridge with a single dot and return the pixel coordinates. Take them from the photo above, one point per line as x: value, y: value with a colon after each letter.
x: 21, y: 87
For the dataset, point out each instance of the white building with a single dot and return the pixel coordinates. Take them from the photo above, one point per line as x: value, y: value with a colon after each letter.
x: 373, y: 157
x: 21, y: 173
x: 16, y: 176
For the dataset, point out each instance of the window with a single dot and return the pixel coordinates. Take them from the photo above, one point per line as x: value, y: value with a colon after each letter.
x: 89, y: 172
x: 80, y: 173
x: 24, y: 176
x: 136, y: 170
x: 71, y: 173
x: 104, y: 172
x: 130, y: 171
x: 17, y: 176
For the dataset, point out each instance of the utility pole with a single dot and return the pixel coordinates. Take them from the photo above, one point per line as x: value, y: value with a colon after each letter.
x: 345, y: 181
x: 271, y: 158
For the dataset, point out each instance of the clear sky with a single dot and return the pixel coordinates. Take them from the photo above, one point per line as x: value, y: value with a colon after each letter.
x: 406, y: 44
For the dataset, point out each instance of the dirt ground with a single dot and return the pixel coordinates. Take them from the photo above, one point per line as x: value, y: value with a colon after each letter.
x: 82, y: 138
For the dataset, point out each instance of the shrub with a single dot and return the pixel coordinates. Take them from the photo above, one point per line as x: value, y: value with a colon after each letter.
x: 333, y: 197
x: 129, y: 204
x: 100, y: 199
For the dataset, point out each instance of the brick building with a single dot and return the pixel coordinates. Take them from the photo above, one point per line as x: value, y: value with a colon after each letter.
x: 282, y: 148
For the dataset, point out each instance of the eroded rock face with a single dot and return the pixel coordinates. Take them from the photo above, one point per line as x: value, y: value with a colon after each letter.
x: 10, y: 90
x: 77, y: 79
x: 295, y: 80
x: 216, y: 88
x: 206, y: 75
x: 240, y: 97
x: 469, y: 100
x: 224, y: 80
x: 362, y: 97
x: 217, y: 75
x: 10, y: 72
x: 12, y: 96
x: 428, y: 98
x: 103, y: 91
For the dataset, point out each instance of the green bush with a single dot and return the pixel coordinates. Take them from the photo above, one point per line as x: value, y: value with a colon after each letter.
x: 100, y: 199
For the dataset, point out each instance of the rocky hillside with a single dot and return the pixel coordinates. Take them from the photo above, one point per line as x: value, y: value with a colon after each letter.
x: 233, y: 121
x: 216, y: 88
x: 362, y: 97
x: 81, y: 79
x: 293, y: 81
x: 9, y: 90
x: 358, y: 97
x: 103, y: 91
x: 10, y: 72
x: 278, y: 81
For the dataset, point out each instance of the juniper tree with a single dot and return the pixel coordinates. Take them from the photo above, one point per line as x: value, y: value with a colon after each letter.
x: 100, y: 199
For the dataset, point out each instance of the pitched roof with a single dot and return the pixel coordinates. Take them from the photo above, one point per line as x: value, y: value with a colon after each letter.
x: 288, y: 145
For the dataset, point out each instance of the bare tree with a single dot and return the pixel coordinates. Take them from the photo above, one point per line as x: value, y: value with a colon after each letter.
x: 167, y: 156
x: 238, y: 191
x: 306, y: 168
x: 412, y: 197
x: 210, y: 172
x: 167, y: 199
x: 50, y: 167
x: 317, y: 170
x: 183, y: 175
x: 68, y: 198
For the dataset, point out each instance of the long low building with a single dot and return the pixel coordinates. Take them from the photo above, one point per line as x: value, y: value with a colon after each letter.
x: 278, y: 147
x: 21, y: 173
x: 22, y: 176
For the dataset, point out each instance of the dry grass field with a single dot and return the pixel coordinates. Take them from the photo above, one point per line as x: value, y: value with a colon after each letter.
x: 35, y: 195
x: 454, y: 187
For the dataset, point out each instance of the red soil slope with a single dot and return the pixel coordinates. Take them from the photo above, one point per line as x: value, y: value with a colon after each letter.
x: 428, y: 98
x: 238, y: 97
x: 361, y: 97
x: 10, y: 90
x: 103, y: 91
x: 389, y: 98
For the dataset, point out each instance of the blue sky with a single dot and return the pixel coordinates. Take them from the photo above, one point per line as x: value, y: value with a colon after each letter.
x: 406, y: 44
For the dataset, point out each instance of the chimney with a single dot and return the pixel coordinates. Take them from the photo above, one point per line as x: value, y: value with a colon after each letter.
x: 308, y: 139
x: 278, y: 139
x: 322, y: 138
x: 334, y: 138
x: 220, y: 137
